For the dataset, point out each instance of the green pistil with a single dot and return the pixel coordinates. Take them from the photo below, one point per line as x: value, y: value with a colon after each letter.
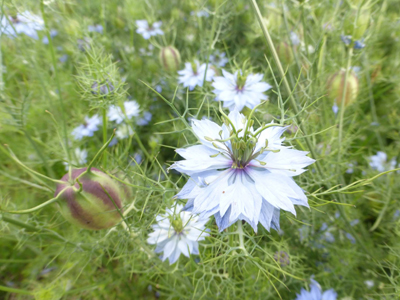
x: 240, y: 82
x: 177, y: 224
x: 194, y: 68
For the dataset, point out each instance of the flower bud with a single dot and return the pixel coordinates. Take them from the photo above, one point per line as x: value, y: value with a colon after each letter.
x: 103, y: 88
x: 336, y: 84
x: 357, y: 28
x: 170, y: 58
x: 94, y: 207
x: 285, y: 52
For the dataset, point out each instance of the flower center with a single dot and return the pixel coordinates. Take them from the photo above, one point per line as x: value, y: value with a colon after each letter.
x: 240, y: 82
x: 242, y: 151
x: 194, y: 69
x: 177, y: 224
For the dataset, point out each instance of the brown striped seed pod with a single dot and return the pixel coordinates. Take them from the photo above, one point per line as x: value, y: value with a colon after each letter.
x: 98, y: 205
x: 336, y: 85
x: 170, y: 58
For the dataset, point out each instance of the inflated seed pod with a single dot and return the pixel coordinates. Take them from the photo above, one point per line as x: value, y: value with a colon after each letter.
x: 336, y: 84
x: 170, y: 58
x: 97, y: 206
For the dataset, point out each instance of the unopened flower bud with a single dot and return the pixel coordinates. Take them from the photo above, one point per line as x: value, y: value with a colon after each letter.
x: 336, y: 85
x: 93, y: 206
x: 170, y: 58
x: 357, y: 23
x: 102, y: 88
x: 285, y: 52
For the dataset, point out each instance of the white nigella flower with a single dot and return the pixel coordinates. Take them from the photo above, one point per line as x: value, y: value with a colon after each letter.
x: 25, y: 22
x: 88, y: 128
x: 379, y: 162
x: 238, y: 173
x: 177, y: 233
x: 115, y: 113
x: 316, y: 293
x: 193, y: 74
x: 147, y: 30
x: 238, y: 90
x: 78, y: 158
x: 219, y: 59
x: 123, y: 131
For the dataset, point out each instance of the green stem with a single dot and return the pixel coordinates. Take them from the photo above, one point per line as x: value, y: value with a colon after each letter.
x: 105, y: 136
x: 285, y: 81
x: 342, y: 105
x: 53, y: 234
x: 241, y: 236
x: 97, y: 155
x: 54, y: 61
x: 11, y: 155
x: 14, y: 291
x: 44, y: 204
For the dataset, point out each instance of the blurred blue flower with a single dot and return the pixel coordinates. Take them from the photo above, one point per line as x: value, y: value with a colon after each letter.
x: 316, y: 293
x: 346, y: 39
x: 95, y: 28
x: 359, y: 44
x: 147, y: 116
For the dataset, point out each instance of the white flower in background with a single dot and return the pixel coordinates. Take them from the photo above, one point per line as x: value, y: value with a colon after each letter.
x: 237, y: 176
x: 310, y: 49
x: 200, y: 13
x: 294, y: 38
x: 379, y: 162
x: 88, y: 128
x: 25, y: 22
x: 219, y: 59
x: 132, y: 109
x: 147, y: 30
x: 369, y: 283
x: 123, y: 131
x: 315, y: 293
x: 95, y: 28
x: 78, y: 158
x: 193, y: 74
x: 177, y: 233
x: 238, y: 90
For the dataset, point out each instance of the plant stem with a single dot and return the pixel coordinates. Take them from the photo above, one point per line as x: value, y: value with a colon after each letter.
x: 104, y: 136
x: 241, y: 236
x: 342, y: 105
x: 285, y: 81
x: 53, y: 58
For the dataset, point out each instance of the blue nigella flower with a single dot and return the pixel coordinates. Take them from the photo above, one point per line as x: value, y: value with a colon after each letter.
x: 316, y: 293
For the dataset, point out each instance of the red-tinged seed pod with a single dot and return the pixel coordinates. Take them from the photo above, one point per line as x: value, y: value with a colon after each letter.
x: 96, y: 205
x: 170, y: 58
x: 336, y: 85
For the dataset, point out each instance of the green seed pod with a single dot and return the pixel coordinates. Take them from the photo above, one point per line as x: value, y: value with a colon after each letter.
x: 336, y: 84
x: 96, y: 206
x: 357, y: 23
x: 170, y: 58
x: 285, y: 52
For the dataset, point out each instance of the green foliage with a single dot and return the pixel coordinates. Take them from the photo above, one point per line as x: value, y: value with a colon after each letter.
x: 44, y: 257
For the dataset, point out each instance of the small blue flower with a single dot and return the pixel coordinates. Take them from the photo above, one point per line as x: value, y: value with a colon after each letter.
x: 350, y: 237
x: 147, y: 116
x: 346, y: 39
x: 95, y: 28
x: 335, y: 108
x: 315, y: 293
x: 358, y: 45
